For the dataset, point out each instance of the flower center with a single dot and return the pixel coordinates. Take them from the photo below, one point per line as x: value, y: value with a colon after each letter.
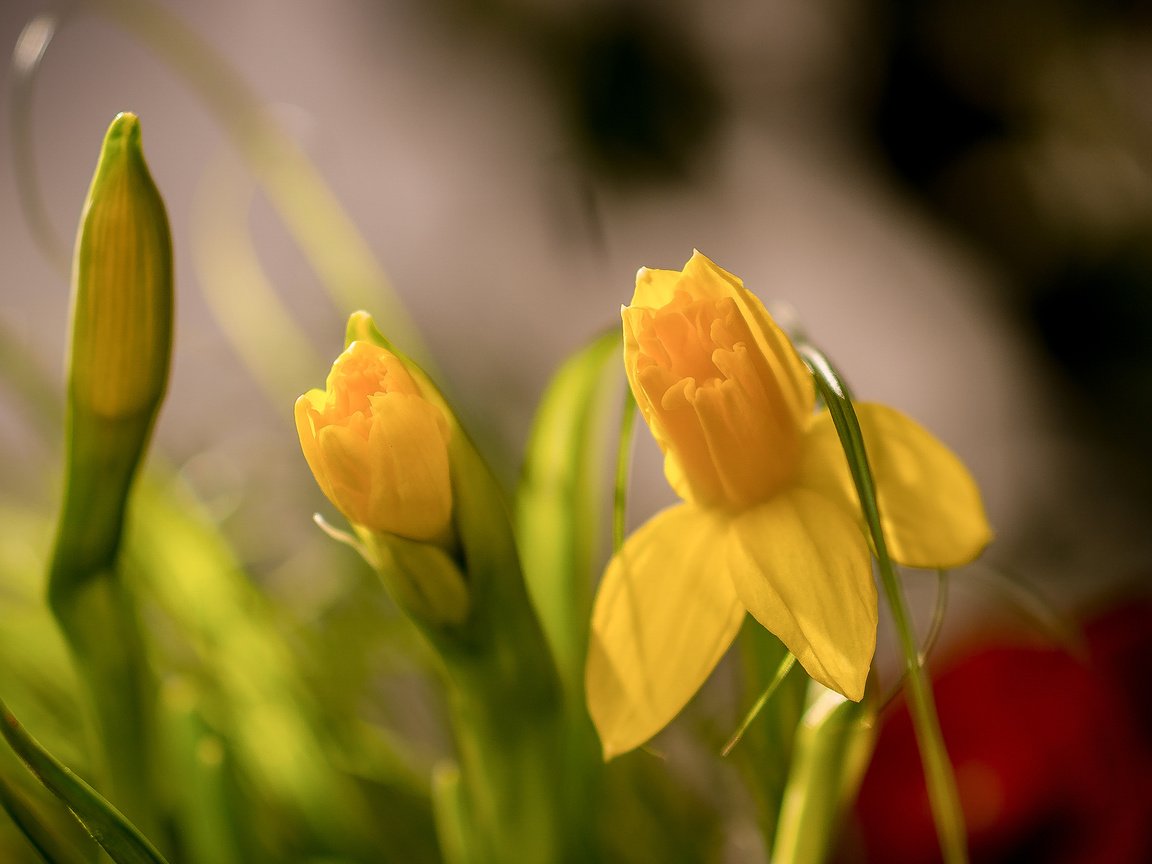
x: 362, y: 376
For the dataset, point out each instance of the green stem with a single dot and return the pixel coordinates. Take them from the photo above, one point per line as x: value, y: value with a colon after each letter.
x: 941, y: 782
x: 942, y: 793
x: 99, y: 622
x: 784, y: 668
x: 95, y: 610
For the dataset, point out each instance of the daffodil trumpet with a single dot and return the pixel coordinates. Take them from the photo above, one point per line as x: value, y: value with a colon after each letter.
x: 769, y: 523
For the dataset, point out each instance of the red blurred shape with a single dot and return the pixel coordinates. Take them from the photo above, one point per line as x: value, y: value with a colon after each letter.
x: 1053, y: 755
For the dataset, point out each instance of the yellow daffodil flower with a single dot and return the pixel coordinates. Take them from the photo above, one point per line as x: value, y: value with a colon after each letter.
x: 377, y: 447
x: 769, y: 523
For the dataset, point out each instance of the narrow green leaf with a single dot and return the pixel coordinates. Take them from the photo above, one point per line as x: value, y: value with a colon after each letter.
x: 830, y: 754
x: 764, y: 756
x: 36, y: 831
x: 781, y: 671
x: 193, y: 578
x: 120, y: 839
x: 559, y: 509
x: 451, y: 809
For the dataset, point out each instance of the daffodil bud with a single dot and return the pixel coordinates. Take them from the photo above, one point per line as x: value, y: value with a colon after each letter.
x: 378, y: 447
x: 119, y: 356
x: 122, y: 314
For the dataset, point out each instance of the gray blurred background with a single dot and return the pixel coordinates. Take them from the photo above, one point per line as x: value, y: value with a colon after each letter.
x: 953, y: 199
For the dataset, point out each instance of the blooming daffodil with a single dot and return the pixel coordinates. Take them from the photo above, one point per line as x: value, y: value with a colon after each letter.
x: 769, y: 522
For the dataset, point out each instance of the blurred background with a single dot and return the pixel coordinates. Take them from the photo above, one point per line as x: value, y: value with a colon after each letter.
x: 953, y: 199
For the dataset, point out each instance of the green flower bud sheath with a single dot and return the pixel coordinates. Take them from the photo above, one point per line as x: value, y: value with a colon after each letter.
x: 118, y: 370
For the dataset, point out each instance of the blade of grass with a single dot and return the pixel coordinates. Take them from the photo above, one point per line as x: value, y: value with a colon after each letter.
x: 781, y: 672
x: 36, y: 831
x: 108, y: 827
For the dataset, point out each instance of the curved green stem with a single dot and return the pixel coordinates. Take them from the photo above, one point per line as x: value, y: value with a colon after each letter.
x: 941, y: 782
x: 942, y: 793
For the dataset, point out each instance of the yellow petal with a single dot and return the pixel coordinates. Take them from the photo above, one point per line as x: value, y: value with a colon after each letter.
x: 307, y: 411
x: 801, y: 566
x: 930, y: 507
x: 664, y: 615
x: 343, y: 459
x: 410, y: 488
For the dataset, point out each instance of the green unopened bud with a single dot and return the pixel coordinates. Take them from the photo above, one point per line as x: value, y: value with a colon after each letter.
x: 119, y: 355
x: 122, y: 313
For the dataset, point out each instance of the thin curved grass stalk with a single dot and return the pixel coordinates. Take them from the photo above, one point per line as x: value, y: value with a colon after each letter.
x: 1032, y: 606
x: 781, y: 673
x: 935, y: 627
x: 942, y: 792
x: 328, y: 238
x: 939, y: 609
x: 277, y: 352
x: 108, y: 827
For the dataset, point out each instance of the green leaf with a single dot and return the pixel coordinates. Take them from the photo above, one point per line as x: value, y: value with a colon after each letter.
x: 120, y: 839
x: 451, y: 809
x: 39, y: 834
x: 831, y: 750
x: 559, y: 505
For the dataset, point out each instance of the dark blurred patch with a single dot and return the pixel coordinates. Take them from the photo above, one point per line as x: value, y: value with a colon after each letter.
x: 1095, y: 320
x: 922, y: 123
x: 639, y: 101
x: 1018, y: 124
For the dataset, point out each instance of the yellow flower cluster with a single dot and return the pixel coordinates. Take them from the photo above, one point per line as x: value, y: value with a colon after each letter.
x: 769, y: 523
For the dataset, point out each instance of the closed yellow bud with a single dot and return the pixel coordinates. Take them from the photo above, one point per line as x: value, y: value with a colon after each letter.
x: 377, y: 447
x: 122, y: 315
